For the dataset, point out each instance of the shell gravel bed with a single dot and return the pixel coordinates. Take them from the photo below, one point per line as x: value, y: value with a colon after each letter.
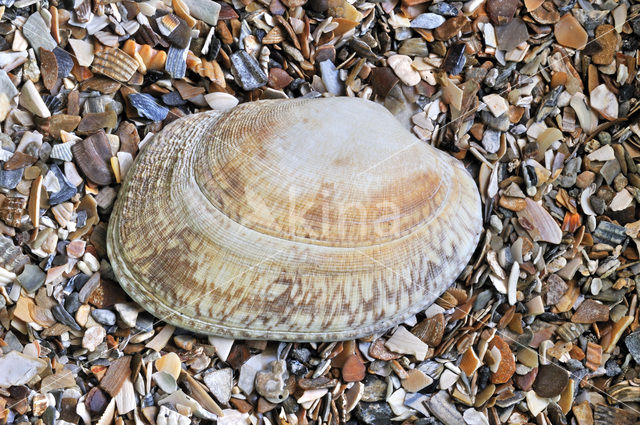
x: 538, y: 98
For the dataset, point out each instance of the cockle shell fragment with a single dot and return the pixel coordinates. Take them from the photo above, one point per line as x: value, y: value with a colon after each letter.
x: 300, y: 220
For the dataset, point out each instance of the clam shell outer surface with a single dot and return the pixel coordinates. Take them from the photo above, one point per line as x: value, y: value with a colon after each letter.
x: 299, y: 220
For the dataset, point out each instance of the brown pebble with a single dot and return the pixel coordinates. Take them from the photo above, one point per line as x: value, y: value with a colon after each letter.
x: 48, y: 68
x: 353, y: 369
x: 279, y: 78
x: 431, y: 330
x: 19, y: 160
x: 94, y: 122
x: 608, y: 39
x: 524, y: 382
x: 416, y: 380
x: 512, y: 204
x: 507, y: 362
x: 450, y: 28
x: 64, y: 122
x: 570, y: 33
x: 590, y: 311
x: 501, y: 11
x: 377, y: 350
x: 550, y: 381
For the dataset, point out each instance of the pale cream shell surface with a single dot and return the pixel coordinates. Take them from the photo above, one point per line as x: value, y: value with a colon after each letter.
x: 299, y: 220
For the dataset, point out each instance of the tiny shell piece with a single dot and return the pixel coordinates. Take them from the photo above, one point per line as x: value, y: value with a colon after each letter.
x: 114, y: 63
x: 147, y: 106
x: 83, y: 50
x: 247, y: 71
x: 176, y: 63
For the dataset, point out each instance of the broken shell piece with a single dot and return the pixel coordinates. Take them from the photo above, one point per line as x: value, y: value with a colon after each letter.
x: 30, y: 99
x: 605, y: 102
x: 114, y: 63
x: 83, y: 51
x: 402, y: 66
x: 570, y: 33
x: 230, y: 222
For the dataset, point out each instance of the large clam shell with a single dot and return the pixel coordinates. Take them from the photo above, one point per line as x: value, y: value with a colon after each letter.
x: 300, y: 220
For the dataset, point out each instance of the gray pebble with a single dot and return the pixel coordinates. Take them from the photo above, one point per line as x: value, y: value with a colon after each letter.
x: 31, y: 277
x: 104, y: 316
x: 427, y: 21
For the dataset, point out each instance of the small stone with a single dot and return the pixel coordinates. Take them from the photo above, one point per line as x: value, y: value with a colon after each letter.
x: 220, y: 383
x: 18, y: 369
x: 171, y: 417
x: 414, y: 47
x: 570, y: 33
x: 444, y: 9
x: 590, y: 311
x: 6, y: 86
x: 205, y: 10
x: 169, y: 363
x: 553, y: 289
x: 104, y: 317
x: 497, y: 104
x: 184, y: 341
x: 632, y: 341
x: 67, y: 190
x: 48, y: 68
x: 378, y: 413
x: 166, y: 382
x: 64, y: 317
x: 279, y: 78
x: 511, y: 35
x: 455, y: 59
x: 525, y: 382
x: 36, y: 31
x: 128, y: 313
x: 9, y: 179
x: 375, y: 388
x: 550, y: 381
x: 427, y: 21
x: 450, y: 28
x: 501, y: 11
x: 147, y: 106
x: 30, y: 99
x: 402, y: 67
x: 535, y: 403
x: 271, y: 384
x: 64, y: 61
x: 93, y: 337
x: 608, y: 39
x: 500, y: 123
x: 330, y: 78
x: 247, y: 71
x: 31, y: 278
x: 443, y: 408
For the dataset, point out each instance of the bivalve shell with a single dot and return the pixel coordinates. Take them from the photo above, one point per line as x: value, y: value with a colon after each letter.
x: 300, y: 220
